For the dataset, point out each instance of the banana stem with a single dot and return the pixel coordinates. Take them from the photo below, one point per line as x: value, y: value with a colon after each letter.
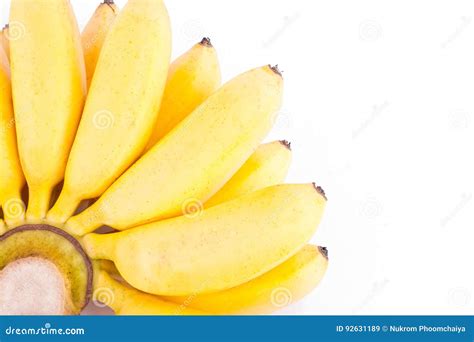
x: 38, y: 204
x: 100, y: 246
x: 86, y: 222
x: 64, y: 207
x: 117, y: 294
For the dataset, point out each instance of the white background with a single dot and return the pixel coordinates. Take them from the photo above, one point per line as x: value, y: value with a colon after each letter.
x: 378, y: 105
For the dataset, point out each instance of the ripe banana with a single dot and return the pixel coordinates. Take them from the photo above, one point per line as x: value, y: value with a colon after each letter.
x: 178, y: 171
x: 93, y: 35
x: 11, y: 175
x: 48, y: 83
x: 125, y: 300
x: 283, y: 285
x: 218, y: 248
x: 108, y: 266
x: 4, y: 40
x: 192, y: 78
x: 266, y: 167
x: 122, y: 104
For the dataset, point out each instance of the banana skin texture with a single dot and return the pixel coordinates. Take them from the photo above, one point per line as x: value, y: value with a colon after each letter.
x: 122, y: 104
x: 283, y: 285
x: 94, y: 33
x: 125, y: 300
x: 192, y: 78
x: 218, y: 248
x: 49, y: 88
x: 267, y: 166
x: 230, y: 124
x: 11, y: 174
x: 5, y: 41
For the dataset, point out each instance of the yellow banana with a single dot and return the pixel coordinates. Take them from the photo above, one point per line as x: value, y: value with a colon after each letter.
x: 192, y: 78
x: 107, y: 266
x: 93, y: 35
x: 125, y: 300
x: 218, y: 248
x: 122, y: 104
x: 4, y: 40
x: 177, y: 171
x: 11, y: 175
x: 283, y: 285
x: 267, y: 166
x: 48, y: 83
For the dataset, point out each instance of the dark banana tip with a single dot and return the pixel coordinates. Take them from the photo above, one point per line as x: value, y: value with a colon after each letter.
x: 5, y: 27
x: 286, y: 143
x: 206, y: 41
x: 324, y: 251
x: 109, y: 3
x: 320, y: 191
x: 276, y: 70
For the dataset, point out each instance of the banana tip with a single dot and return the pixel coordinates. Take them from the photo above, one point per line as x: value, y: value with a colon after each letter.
x: 276, y: 70
x: 324, y: 251
x: 320, y: 191
x: 110, y: 4
x: 206, y: 41
x: 286, y: 143
x: 5, y: 27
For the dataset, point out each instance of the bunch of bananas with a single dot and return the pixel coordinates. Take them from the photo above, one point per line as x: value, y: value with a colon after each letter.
x: 100, y: 130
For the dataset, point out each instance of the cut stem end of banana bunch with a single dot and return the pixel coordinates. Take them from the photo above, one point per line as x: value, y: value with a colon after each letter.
x: 64, y: 208
x: 44, y: 271
x: 38, y: 203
